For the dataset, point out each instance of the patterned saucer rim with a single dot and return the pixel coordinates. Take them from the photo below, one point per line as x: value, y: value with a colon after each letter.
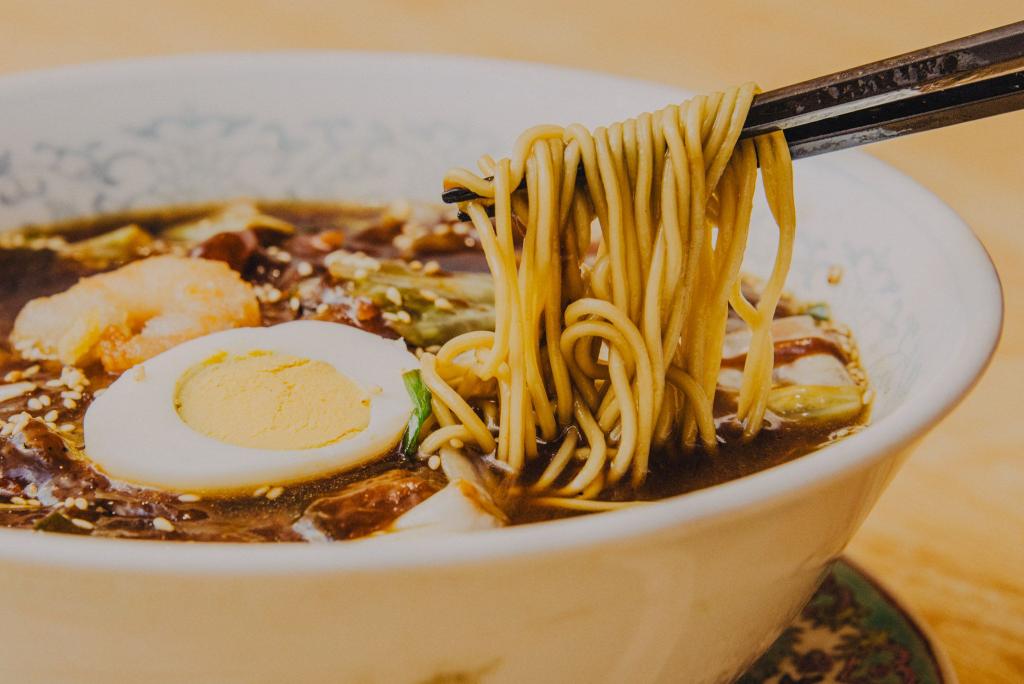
x: 940, y: 658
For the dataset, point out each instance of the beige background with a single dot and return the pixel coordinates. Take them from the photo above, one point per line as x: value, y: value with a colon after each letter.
x: 949, y: 534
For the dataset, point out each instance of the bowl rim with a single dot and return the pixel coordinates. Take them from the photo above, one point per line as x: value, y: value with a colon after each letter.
x: 908, y: 422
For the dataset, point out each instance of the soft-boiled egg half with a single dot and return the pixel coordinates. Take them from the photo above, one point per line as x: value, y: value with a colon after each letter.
x: 251, y: 406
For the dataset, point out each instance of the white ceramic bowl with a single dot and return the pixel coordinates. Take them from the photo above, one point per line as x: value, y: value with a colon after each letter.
x: 689, y: 589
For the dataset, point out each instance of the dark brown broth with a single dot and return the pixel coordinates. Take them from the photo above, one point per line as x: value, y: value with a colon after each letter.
x: 41, y: 464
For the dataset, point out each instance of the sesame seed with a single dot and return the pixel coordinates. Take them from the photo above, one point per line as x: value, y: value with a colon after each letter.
x: 442, y: 229
x: 34, y: 503
x: 403, y: 316
x: 17, y: 422
x: 433, y: 349
x: 69, y: 502
x: 275, y: 492
x: 321, y: 309
x: 81, y: 504
x: 32, y: 489
x: 431, y: 267
x: 54, y: 383
x: 460, y: 229
x: 30, y: 371
x: 261, y: 491
x: 294, y: 303
x: 12, y: 376
x: 273, y: 295
x: 67, y: 427
x: 403, y: 242
x: 17, y: 500
x: 443, y: 303
x: 279, y: 254
x: 415, y: 264
x: 304, y: 268
x: 188, y: 498
x: 71, y: 404
x: 360, y: 274
x: 45, y: 400
x: 99, y: 392
x: 14, y: 390
x: 71, y: 395
x: 71, y: 376
x: 34, y: 404
x: 429, y: 295
x: 83, y: 524
x: 340, y: 263
x: 50, y: 416
x: 434, y: 462
x: 163, y: 524
x: 389, y: 316
x: 469, y: 242
x: 394, y: 296
x: 308, y: 289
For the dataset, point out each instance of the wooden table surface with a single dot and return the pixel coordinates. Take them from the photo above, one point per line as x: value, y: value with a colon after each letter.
x: 948, y: 535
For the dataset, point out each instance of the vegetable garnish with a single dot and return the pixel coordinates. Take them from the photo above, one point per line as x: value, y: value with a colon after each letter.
x: 420, y: 396
x: 816, y: 404
x: 58, y: 522
x: 430, y: 309
x: 819, y: 311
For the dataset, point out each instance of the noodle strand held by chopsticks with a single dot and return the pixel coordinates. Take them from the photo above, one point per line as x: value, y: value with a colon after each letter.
x: 614, y: 349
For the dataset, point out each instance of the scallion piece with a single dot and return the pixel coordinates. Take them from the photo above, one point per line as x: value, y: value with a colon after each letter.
x: 58, y: 522
x: 420, y: 396
x: 819, y: 311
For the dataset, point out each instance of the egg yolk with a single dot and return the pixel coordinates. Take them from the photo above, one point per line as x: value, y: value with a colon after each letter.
x: 266, y: 400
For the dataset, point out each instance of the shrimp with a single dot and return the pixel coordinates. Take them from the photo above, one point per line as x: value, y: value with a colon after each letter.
x: 126, y: 316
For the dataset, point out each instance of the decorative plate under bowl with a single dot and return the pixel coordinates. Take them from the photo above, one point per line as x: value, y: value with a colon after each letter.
x: 855, y: 632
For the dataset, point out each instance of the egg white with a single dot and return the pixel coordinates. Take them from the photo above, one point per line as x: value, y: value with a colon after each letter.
x: 134, y: 433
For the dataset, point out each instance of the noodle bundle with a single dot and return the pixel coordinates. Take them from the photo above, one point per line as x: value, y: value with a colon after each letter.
x: 612, y: 351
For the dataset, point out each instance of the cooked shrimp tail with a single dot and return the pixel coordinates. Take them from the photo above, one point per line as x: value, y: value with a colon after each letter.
x: 126, y: 316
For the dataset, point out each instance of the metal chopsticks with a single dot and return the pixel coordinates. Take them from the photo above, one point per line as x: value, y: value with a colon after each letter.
x: 960, y: 80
